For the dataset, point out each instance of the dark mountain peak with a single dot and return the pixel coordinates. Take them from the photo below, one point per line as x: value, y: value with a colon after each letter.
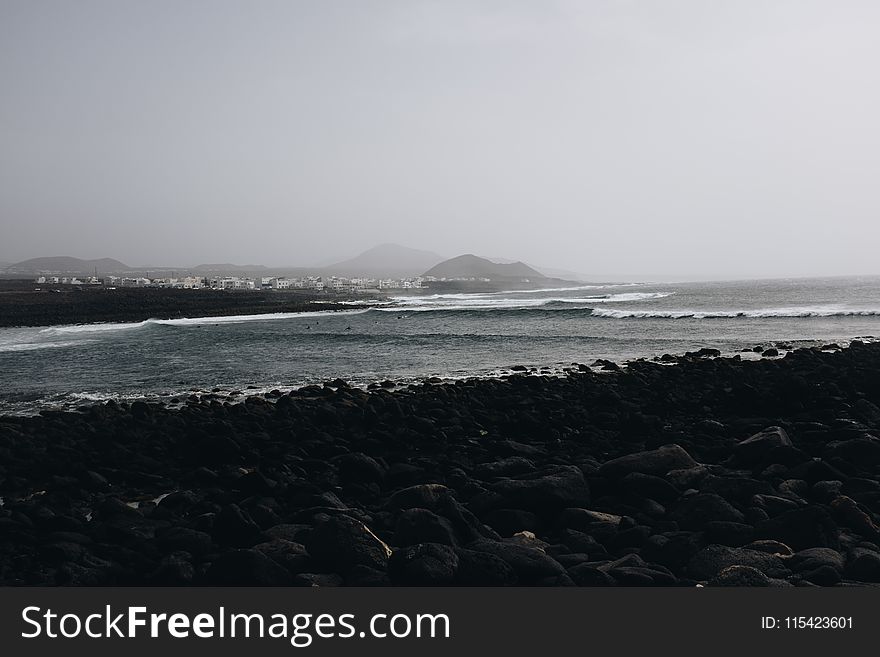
x: 469, y: 265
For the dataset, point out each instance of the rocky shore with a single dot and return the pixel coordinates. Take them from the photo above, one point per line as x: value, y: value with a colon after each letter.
x: 697, y: 470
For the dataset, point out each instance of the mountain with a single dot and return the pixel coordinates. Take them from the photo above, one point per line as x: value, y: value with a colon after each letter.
x: 471, y: 266
x: 66, y: 265
x: 386, y: 260
x: 228, y: 268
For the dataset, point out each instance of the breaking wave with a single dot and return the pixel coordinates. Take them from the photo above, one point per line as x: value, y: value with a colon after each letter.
x: 453, y: 302
x: 820, y: 311
x: 192, y: 321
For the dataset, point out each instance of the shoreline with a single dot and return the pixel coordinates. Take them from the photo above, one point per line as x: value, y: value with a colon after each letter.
x: 52, y: 307
x: 176, y: 399
x: 650, y: 475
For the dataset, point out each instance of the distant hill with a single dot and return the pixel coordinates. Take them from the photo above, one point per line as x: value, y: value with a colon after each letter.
x: 386, y: 260
x: 471, y: 266
x: 225, y: 267
x: 66, y: 265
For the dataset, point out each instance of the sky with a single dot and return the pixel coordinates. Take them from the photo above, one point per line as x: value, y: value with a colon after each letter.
x: 699, y: 138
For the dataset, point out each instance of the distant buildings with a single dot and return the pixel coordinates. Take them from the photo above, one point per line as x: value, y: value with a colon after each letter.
x: 336, y: 284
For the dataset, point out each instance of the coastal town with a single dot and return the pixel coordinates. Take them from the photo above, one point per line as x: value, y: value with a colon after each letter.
x: 314, y: 283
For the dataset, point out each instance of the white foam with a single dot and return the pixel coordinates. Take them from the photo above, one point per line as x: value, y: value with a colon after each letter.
x: 189, y: 321
x: 618, y: 298
x: 36, y: 346
x: 235, y: 319
x: 803, y: 311
x: 483, y: 302
x: 93, y: 328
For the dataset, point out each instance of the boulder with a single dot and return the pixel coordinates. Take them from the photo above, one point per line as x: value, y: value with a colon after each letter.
x: 863, y: 565
x: 711, y: 560
x: 172, y: 539
x: 233, y: 526
x: 695, y: 511
x: 529, y: 564
x: 356, y: 467
x: 483, y: 569
x: 423, y: 526
x: 245, y: 568
x: 290, y: 555
x: 341, y: 542
x: 802, y: 528
x: 754, y: 448
x: 656, y: 461
x: 740, y: 576
x: 423, y: 564
x: 421, y: 496
x: 563, y: 487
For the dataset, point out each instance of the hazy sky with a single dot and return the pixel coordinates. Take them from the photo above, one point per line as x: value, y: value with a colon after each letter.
x: 696, y: 137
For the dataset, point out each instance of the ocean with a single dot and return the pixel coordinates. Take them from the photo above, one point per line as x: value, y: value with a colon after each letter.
x: 417, y: 336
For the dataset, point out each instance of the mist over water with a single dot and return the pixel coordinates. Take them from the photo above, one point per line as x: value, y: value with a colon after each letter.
x: 419, y: 336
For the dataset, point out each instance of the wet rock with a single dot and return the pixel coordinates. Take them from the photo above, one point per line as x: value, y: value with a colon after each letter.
x: 822, y: 576
x: 657, y: 462
x: 508, y: 522
x: 291, y: 556
x: 710, y: 561
x: 192, y: 541
x: 529, y: 564
x: 813, y: 558
x: 563, y: 487
x: 734, y: 534
x: 864, y: 451
x: 740, y: 576
x: 423, y: 564
x: 803, y: 528
x: 770, y: 547
x: 848, y: 512
x: 696, y: 511
x: 245, y: 568
x: 756, y: 447
x: 640, y: 484
x: 359, y: 468
x: 588, y: 575
x: 511, y: 466
x: 341, y: 542
x: 863, y: 565
x: 317, y: 580
x: 483, y: 569
x: 175, y: 569
x: 422, y: 496
x: 233, y: 526
x: 423, y: 526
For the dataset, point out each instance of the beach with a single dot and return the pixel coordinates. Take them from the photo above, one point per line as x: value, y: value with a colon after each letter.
x: 697, y: 470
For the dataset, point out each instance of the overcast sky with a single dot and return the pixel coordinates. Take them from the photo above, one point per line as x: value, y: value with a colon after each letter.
x: 698, y: 137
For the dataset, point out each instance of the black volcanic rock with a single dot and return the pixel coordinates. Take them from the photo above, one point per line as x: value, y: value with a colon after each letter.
x: 245, y: 568
x: 801, y: 528
x: 557, y: 489
x: 635, y: 478
x: 710, y: 561
x: 657, y: 462
x: 757, y: 446
x: 423, y: 564
x: 341, y: 542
